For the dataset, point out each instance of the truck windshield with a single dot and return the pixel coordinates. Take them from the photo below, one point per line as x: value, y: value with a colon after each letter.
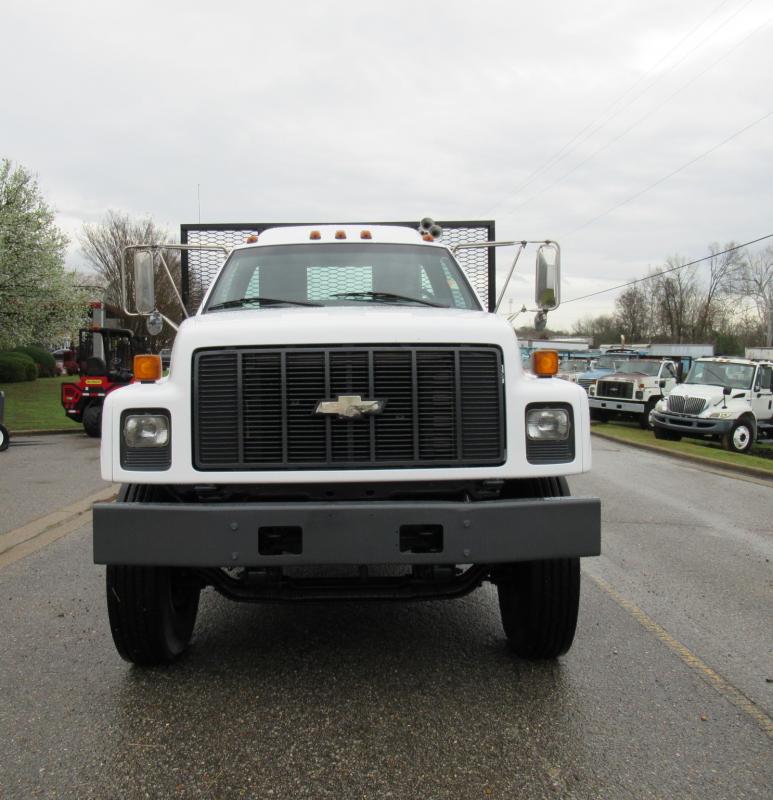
x: 341, y: 274
x: 737, y: 376
x: 610, y: 362
x: 641, y: 367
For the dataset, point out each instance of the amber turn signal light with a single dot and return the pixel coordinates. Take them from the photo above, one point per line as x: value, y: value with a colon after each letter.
x: 544, y: 363
x: 340, y: 234
x: 315, y: 235
x: 147, y: 368
x: 365, y: 235
x: 251, y: 239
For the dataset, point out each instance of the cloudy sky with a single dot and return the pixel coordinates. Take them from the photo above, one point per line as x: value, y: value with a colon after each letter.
x: 561, y: 120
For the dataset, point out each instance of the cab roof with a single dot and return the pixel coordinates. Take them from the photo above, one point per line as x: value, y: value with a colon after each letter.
x: 305, y: 234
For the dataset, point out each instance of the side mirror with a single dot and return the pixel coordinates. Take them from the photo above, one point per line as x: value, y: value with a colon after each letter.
x: 662, y: 384
x: 727, y: 390
x: 144, y: 288
x: 547, y: 294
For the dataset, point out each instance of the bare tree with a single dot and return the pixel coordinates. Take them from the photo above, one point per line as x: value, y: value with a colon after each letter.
x: 103, y: 245
x: 712, y: 307
x: 675, y: 293
x: 633, y: 312
x: 756, y: 281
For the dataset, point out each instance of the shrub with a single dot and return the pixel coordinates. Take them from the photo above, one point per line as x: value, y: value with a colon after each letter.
x: 45, y: 361
x: 19, y: 366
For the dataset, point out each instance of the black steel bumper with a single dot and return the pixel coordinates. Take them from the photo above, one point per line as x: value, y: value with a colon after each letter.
x: 692, y: 426
x: 383, y: 532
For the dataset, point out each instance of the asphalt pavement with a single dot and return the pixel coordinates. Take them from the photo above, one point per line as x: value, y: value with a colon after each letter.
x: 663, y: 695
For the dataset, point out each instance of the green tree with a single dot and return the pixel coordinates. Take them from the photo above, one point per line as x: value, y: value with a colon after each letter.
x: 39, y: 300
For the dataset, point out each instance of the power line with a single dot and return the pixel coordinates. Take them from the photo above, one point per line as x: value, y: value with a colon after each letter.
x: 600, y: 122
x: 641, y: 119
x: 670, y: 174
x: 671, y: 269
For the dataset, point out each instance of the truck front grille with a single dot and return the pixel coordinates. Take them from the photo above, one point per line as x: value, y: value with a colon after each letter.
x: 621, y: 389
x: 254, y: 409
x: 685, y: 405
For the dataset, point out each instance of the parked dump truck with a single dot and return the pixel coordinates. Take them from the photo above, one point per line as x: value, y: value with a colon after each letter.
x: 725, y: 399
x: 343, y: 399
x: 632, y: 391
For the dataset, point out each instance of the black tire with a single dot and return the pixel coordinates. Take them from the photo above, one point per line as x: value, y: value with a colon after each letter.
x: 667, y: 435
x: 740, y: 438
x: 152, y: 610
x: 539, y: 600
x: 644, y: 419
x: 92, y: 420
x: 5, y: 438
x: 599, y: 416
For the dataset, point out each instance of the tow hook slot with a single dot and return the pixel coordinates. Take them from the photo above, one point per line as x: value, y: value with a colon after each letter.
x: 278, y: 540
x: 421, y: 538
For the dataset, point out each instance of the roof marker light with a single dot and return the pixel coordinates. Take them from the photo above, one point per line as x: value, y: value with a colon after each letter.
x: 315, y: 235
x: 428, y: 237
x: 340, y: 234
x: 365, y: 235
x: 251, y: 239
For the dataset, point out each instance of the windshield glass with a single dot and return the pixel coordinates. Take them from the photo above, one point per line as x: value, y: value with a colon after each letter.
x: 341, y: 274
x: 646, y: 367
x: 573, y: 366
x: 610, y: 362
x: 737, y: 376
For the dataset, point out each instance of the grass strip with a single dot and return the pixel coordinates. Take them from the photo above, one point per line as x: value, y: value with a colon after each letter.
x: 36, y: 405
x: 691, y: 447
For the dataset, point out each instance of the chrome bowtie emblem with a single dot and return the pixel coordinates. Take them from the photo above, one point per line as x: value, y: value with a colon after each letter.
x: 350, y: 406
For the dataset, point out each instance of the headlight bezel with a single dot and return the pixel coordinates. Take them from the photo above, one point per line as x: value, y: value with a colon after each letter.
x: 550, y: 450
x: 147, y: 456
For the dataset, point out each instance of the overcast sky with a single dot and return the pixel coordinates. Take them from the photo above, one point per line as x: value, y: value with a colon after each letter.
x: 354, y: 110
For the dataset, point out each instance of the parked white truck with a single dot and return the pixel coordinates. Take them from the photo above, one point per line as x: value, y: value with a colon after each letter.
x: 726, y: 399
x: 632, y: 391
x: 343, y: 400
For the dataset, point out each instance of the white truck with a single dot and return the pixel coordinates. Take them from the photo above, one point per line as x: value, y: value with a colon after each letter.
x: 632, y: 391
x: 726, y: 399
x: 343, y: 401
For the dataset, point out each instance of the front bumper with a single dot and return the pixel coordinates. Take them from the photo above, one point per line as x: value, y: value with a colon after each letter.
x: 692, y: 426
x: 609, y: 404
x: 230, y: 535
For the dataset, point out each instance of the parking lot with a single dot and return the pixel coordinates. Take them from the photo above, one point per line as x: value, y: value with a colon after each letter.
x: 666, y: 693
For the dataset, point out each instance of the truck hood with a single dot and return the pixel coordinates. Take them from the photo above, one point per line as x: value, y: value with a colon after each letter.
x: 371, y: 323
x: 713, y: 394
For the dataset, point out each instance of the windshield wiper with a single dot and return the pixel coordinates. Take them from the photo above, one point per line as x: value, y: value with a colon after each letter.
x: 269, y: 301
x: 385, y: 297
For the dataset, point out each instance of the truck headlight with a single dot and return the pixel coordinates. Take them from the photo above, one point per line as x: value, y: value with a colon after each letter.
x: 146, y: 430
x: 548, y: 424
x: 721, y: 414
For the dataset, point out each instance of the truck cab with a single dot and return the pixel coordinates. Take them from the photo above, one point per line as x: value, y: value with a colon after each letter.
x: 342, y: 400
x: 724, y: 399
x: 632, y: 391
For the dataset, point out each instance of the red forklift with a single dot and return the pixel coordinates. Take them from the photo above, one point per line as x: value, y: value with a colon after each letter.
x: 105, y: 358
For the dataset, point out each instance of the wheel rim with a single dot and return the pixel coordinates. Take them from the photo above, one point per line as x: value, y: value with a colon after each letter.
x: 741, y: 436
x: 2, y: 437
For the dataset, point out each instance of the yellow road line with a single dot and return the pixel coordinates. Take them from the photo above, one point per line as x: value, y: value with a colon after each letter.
x: 39, y: 533
x: 713, y: 678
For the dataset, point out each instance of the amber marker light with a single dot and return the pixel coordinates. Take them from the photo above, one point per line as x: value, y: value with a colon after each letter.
x: 340, y: 234
x: 544, y: 363
x: 315, y: 235
x: 428, y: 237
x: 365, y: 235
x: 251, y: 239
x: 147, y: 368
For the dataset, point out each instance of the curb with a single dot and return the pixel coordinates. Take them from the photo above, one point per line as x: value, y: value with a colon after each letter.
x: 36, y: 432
x: 706, y: 462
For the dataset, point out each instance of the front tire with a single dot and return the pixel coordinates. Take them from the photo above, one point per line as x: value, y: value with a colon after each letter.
x: 740, y: 438
x: 5, y: 438
x: 152, y: 610
x: 644, y: 419
x: 539, y: 600
x: 666, y: 435
x: 92, y: 420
